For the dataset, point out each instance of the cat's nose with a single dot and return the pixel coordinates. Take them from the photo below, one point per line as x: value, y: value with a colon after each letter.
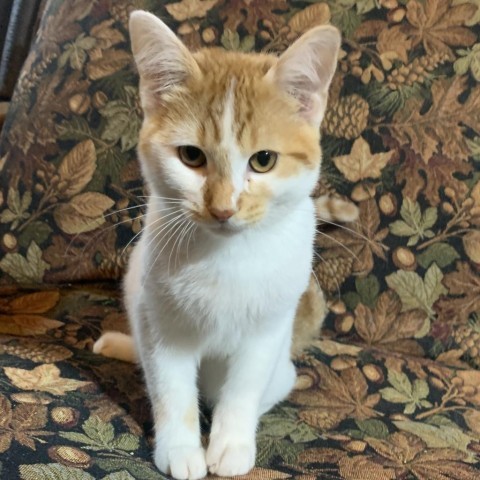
x: 221, y: 215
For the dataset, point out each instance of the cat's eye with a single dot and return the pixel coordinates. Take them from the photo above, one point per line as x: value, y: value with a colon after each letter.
x: 262, y: 161
x: 192, y: 156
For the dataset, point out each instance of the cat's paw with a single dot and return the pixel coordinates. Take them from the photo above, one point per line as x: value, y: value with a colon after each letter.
x: 182, y: 463
x: 228, y: 458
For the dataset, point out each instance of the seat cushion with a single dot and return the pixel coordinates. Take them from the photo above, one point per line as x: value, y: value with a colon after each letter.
x: 400, y: 138
x: 356, y: 412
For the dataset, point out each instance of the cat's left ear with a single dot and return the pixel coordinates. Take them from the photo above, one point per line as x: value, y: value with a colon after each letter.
x: 306, y: 69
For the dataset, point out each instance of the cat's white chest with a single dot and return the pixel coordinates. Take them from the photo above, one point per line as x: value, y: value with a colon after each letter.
x: 221, y: 296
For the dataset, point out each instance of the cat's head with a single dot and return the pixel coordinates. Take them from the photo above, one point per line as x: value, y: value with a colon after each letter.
x: 234, y: 136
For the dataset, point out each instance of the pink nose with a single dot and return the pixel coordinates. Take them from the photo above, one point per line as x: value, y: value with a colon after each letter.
x: 221, y: 215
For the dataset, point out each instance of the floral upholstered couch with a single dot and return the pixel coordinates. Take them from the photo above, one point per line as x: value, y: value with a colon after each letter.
x: 392, y: 388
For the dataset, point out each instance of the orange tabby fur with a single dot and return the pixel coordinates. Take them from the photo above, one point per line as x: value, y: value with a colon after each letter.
x: 196, y: 108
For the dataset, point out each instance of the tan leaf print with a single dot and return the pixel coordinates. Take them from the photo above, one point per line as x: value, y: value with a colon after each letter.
x: 335, y: 398
x: 110, y: 62
x: 361, y: 244
x: 442, y: 172
x: 72, y: 222
x: 44, y: 378
x: 401, y: 447
x: 362, y: 467
x: 38, y: 302
x: 464, y: 284
x: 19, y: 316
x: 438, y: 25
x: 256, y: 10
x: 407, y: 453
x: 22, y: 423
x: 386, y: 326
x: 361, y: 163
x: 394, y: 40
x: 439, y: 130
x: 106, y: 35
x: 91, y: 204
x: 313, y: 15
x: 77, y: 168
x: 24, y: 325
x: 190, y: 9
x: 322, y: 419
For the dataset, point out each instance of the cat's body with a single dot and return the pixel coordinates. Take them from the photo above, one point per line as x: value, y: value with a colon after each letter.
x: 230, y: 151
x: 206, y: 294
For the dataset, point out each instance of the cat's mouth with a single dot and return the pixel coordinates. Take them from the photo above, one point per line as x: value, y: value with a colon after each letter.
x: 225, y: 229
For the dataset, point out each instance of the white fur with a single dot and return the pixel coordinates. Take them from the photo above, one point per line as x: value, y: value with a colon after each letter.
x: 213, y: 316
x: 228, y: 309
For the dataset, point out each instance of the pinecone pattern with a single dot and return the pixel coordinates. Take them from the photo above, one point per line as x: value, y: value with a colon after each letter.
x: 468, y: 339
x: 332, y: 272
x: 415, y: 72
x: 113, y: 266
x: 38, y: 352
x: 347, y: 118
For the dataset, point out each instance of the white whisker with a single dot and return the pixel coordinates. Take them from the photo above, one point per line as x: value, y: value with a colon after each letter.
x: 190, y: 235
x: 172, y: 227
x: 136, y: 206
x: 101, y: 232
x: 358, y: 234
x: 125, y: 209
x: 167, y: 199
x: 145, y: 227
x: 163, y: 227
x: 176, y: 243
x: 183, y: 234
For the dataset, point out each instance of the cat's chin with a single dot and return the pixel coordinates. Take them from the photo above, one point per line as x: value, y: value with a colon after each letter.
x: 226, y: 229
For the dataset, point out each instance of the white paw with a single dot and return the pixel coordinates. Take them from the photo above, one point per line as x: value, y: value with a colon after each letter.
x: 182, y: 463
x: 229, y: 458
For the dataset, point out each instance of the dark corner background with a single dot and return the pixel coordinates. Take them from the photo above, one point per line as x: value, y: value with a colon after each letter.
x: 18, y: 23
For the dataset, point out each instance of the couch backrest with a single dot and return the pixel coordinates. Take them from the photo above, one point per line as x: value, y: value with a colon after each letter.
x: 401, y: 138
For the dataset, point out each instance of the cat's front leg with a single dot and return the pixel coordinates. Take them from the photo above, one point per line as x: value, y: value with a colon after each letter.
x: 171, y: 382
x: 259, y: 374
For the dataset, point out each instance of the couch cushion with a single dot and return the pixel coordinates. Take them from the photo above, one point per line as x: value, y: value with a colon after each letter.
x: 357, y: 413
x: 400, y: 138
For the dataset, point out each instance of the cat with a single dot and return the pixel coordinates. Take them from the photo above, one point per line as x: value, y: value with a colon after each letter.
x: 229, y: 149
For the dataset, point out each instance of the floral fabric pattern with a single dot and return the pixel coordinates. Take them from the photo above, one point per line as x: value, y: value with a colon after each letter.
x: 356, y: 412
x: 392, y: 389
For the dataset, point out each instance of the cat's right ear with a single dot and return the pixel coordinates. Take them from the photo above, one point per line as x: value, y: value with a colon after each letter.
x: 306, y: 69
x: 162, y: 59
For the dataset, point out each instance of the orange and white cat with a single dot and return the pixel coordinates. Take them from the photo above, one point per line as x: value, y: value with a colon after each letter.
x: 230, y: 151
